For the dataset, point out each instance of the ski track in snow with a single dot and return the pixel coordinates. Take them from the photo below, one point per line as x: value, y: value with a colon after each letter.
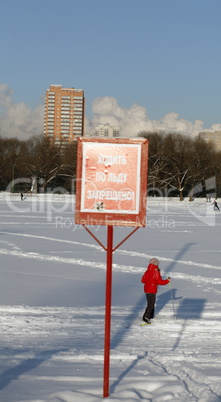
x: 127, y: 268
x: 95, y: 264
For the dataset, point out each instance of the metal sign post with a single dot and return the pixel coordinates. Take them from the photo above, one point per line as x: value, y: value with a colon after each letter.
x: 107, y: 334
x: 111, y: 190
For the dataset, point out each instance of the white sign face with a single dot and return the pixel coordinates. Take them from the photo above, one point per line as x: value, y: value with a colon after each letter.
x: 110, y: 178
x: 111, y: 181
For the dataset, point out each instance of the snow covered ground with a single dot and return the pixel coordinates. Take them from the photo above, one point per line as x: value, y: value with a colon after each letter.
x: 52, y: 296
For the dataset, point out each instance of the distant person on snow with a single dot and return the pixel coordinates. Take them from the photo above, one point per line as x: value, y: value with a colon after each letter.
x: 22, y: 196
x: 215, y: 205
x: 151, y: 279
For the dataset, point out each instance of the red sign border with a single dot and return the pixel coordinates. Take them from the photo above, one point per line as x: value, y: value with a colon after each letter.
x: 112, y: 219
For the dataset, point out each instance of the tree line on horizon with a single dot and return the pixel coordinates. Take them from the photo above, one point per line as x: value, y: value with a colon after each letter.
x: 182, y: 166
x: 36, y: 159
x: 178, y: 165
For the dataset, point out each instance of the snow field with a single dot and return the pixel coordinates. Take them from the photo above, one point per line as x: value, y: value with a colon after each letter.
x: 52, y: 295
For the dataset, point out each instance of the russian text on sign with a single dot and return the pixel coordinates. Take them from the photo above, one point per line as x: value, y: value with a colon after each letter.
x: 112, y: 159
x: 110, y: 195
x: 111, y: 177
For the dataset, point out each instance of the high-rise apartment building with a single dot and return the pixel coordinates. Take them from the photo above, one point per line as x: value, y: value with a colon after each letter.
x: 64, y: 114
x: 213, y: 137
x: 106, y: 130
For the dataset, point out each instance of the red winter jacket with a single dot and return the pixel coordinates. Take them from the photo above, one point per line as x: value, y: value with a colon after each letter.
x: 152, y: 279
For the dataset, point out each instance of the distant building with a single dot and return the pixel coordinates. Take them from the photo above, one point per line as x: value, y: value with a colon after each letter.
x: 106, y: 130
x: 64, y: 114
x: 213, y: 137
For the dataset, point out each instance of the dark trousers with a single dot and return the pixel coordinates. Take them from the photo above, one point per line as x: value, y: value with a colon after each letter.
x: 151, y: 299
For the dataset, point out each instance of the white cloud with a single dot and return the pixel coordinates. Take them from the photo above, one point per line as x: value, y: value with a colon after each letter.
x: 135, y: 119
x: 107, y: 110
x: 18, y: 120
x: 216, y: 127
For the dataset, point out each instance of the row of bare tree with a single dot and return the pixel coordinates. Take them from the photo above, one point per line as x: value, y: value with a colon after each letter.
x: 36, y: 159
x: 181, y: 165
x: 178, y: 165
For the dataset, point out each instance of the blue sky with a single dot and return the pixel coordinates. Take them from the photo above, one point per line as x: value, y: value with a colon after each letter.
x: 161, y: 54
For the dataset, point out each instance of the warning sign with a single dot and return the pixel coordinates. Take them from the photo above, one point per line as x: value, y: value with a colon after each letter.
x: 111, y: 180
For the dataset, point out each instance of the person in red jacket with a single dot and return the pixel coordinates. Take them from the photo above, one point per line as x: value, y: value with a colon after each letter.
x: 151, y: 279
